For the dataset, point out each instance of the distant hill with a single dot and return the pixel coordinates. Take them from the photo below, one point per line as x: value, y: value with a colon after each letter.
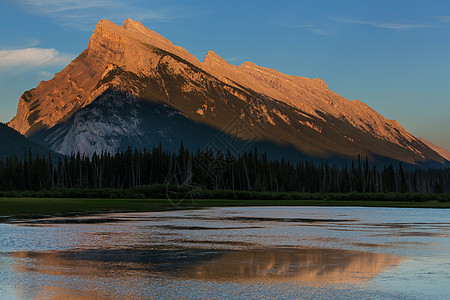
x: 13, y: 143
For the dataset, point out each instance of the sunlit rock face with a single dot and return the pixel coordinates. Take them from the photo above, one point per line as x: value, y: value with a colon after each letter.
x: 279, y: 108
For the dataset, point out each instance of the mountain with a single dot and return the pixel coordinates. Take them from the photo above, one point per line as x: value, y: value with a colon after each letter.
x: 108, y: 97
x: 116, y: 120
x: 13, y: 143
x: 441, y: 151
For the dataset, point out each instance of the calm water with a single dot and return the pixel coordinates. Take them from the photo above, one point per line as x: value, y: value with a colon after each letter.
x: 285, y: 252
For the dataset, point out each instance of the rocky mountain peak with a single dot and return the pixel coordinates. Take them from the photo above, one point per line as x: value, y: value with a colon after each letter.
x: 136, y: 30
x: 132, y: 24
x: 212, y: 59
x: 142, y: 63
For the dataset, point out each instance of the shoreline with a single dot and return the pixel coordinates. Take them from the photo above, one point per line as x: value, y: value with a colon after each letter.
x: 20, y: 209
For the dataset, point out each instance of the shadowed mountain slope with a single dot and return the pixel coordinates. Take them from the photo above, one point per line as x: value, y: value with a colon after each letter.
x: 13, y: 143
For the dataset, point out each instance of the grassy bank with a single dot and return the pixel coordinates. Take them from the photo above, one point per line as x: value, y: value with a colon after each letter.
x: 159, y: 191
x: 21, y: 208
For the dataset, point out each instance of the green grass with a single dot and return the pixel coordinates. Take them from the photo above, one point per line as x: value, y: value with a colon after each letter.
x: 22, y: 208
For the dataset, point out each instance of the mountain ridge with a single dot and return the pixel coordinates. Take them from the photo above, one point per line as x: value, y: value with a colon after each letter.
x: 149, y: 67
x: 13, y: 144
x: 440, y: 150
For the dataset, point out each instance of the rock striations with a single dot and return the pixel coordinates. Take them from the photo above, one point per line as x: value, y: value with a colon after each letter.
x: 140, y: 64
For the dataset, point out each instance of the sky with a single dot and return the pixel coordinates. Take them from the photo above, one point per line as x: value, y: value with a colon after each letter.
x: 393, y: 55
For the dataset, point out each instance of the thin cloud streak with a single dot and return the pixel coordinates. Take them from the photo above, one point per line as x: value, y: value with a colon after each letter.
x: 315, y: 30
x: 32, y: 58
x: 57, y: 6
x: 311, y: 28
x: 233, y: 58
x: 45, y: 75
x: 443, y: 18
x: 84, y: 14
x: 33, y: 43
x: 385, y: 25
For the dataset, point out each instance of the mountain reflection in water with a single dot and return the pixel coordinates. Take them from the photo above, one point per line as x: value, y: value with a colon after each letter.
x: 304, y: 265
x: 283, y: 264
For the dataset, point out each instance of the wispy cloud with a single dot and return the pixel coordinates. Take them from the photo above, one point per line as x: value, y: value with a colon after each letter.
x: 233, y: 58
x: 315, y: 29
x: 32, y: 58
x: 84, y: 14
x: 321, y: 29
x: 58, y: 6
x: 45, y: 74
x: 443, y: 18
x: 33, y: 42
x: 385, y: 25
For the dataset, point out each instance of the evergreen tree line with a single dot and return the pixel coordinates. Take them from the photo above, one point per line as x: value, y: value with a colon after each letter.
x: 213, y: 170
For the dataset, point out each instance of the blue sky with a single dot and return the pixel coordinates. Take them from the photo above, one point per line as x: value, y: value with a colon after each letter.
x: 393, y: 55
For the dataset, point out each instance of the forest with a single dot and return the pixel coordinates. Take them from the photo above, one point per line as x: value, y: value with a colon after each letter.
x: 213, y: 170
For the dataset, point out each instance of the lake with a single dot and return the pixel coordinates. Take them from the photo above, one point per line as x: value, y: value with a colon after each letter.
x: 231, y: 253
